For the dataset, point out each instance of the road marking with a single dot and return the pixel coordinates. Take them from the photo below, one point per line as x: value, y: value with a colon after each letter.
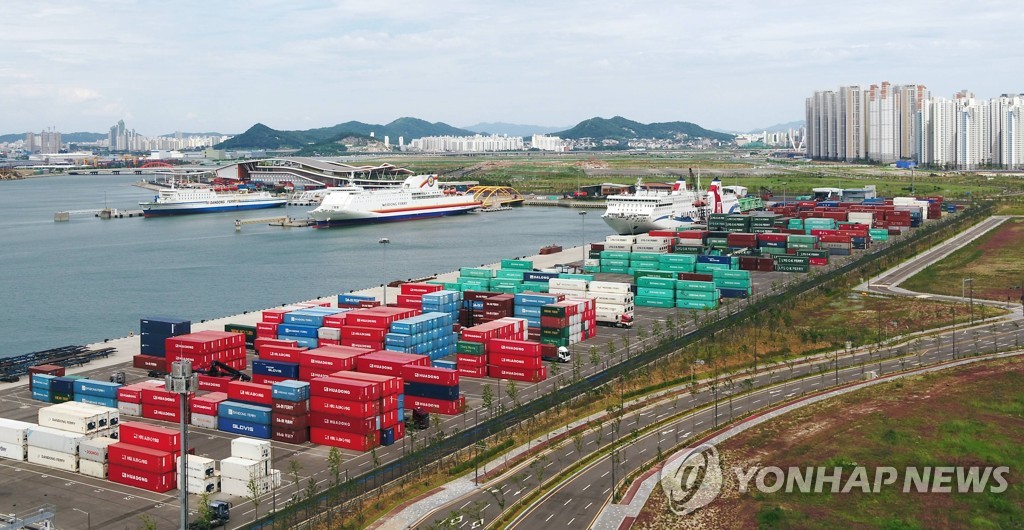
x: 685, y: 435
x: 644, y: 449
x: 591, y: 441
x: 517, y: 493
x: 570, y: 522
x: 585, y: 487
x: 566, y: 503
x: 549, y: 518
x: 605, y: 474
x: 606, y: 490
x: 549, y: 464
x: 757, y: 401
x: 660, y: 416
x: 589, y: 504
x: 668, y: 431
x: 463, y: 507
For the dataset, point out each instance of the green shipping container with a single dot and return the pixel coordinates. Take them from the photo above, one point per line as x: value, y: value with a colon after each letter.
x: 552, y: 311
x: 660, y: 283
x: 686, y: 250
x: 732, y: 274
x: 708, y: 268
x: 561, y: 333
x: 655, y: 273
x: 676, y: 267
x: 510, y: 289
x: 517, y: 264
x: 614, y: 254
x: 792, y: 260
x: 567, y: 276
x: 248, y: 331
x: 615, y: 263
x: 591, y: 268
x: 693, y: 285
x: 645, y: 256
x: 686, y: 259
x: 792, y: 268
x: 614, y: 270
x: 644, y: 301
x: 654, y: 292
x: 470, y: 348
x: 732, y: 284
x: 509, y: 274
x: 698, y: 295
x: 557, y: 341
x: 773, y: 251
x: 813, y: 253
x: 697, y: 304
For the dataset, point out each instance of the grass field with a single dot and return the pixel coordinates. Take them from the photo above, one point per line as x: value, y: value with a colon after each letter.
x: 972, y: 416
x: 995, y: 262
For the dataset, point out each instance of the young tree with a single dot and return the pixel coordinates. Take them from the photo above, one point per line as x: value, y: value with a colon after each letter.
x: 488, y: 399
x: 252, y: 488
x: 512, y: 391
x: 295, y: 467
x: 147, y: 522
x: 312, y: 488
x: 595, y: 359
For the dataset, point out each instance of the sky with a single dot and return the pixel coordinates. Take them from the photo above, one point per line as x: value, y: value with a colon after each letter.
x: 224, y: 65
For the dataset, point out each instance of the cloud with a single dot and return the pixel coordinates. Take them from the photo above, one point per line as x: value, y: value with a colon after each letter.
x: 75, y: 95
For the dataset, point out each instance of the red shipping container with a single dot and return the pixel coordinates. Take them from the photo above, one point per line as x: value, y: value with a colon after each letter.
x: 328, y: 342
x: 208, y: 403
x: 399, y: 431
x: 49, y: 369
x: 419, y: 288
x: 308, y: 374
x: 430, y: 374
x: 156, y: 412
x: 331, y: 358
x: 363, y: 333
x: 344, y: 407
x: 818, y: 261
x: 275, y: 316
x: 261, y: 379
x: 369, y: 318
x: 389, y: 418
x: 151, y: 436
x: 299, y: 436
x: 250, y: 392
x: 138, y: 457
x: 130, y: 394
x: 389, y: 403
x: 200, y: 361
x: 342, y: 423
x: 472, y: 361
x: 289, y: 421
x: 362, y: 344
x: 409, y: 300
x: 338, y: 388
x: 389, y: 384
x: 514, y: 347
x: 266, y: 329
x: 237, y: 364
x: 554, y: 322
x: 150, y: 362
x: 529, y: 376
x: 157, y: 482
x: 436, y: 406
x: 335, y: 321
x: 515, y: 361
x: 344, y: 440
x: 280, y: 406
x: 204, y: 342
x: 261, y: 342
x: 389, y: 363
x: 160, y: 397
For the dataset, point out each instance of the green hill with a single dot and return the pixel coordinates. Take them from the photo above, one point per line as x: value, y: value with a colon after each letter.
x: 619, y: 128
x: 260, y: 136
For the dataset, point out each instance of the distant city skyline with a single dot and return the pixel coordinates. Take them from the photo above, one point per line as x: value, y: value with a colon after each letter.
x: 191, y: 66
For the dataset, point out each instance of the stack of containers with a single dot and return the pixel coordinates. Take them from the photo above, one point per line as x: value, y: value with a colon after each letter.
x: 343, y: 412
x: 144, y: 457
x: 129, y: 397
x: 741, y: 240
x: 611, y: 298
x: 527, y: 306
x: 615, y: 261
x: 471, y: 358
x: 718, y: 240
x: 706, y: 263
x: 732, y: 283
x: 327, y: 360
x: 205, y: 409
x: 476, y: 279
x: 507, y: 281
x: 93, y: 457
x: 514, y: 359
x: 690, y: 241
x: 644, y: 260
x: 289, y: 414
x: 497, y: 306
x: 159, y: 404
x: 366, y: 328
x: 755, y: 263
x: 42, y: 387
x: 472, y: 311
x: 103, y: 393
x: 693, y: 294
x: 792, y: 263
x: 247, y: 409
x: 44, y: 369
x: 619, y: 243
x: 303, y: 325
x: 819, y: 223
x: 716, y: 221
x: 389, y: 422
x: 801, y: 242
x: 200, y: 474
x: 83, y: 418
x: 14, y: 439
x: 677, y: 262
x: 656, y: 244
x: 432, y: 389
x: 428, y: 334
x: 249, y: 332
x: 249, y: 463
x: 772, y: 243
x: 63, y: 388
x: 537, y: 281
x: 267, y: 372
x: 763, y: 222
x: 153, y: 335
x: 56, y: 448
x: 817, y: 257
x: 737, y: 223
x: 443, y: 301
x: 204, y: 347
x: 411, y: 294
x: 653, y: 291
x: 568, y: 322
x: 568, y: 287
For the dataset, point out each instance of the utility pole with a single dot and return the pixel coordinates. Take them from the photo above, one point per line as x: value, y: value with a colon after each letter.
x: 182, y: 381
x: 384, y: 242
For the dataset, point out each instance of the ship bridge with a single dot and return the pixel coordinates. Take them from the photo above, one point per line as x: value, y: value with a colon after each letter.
x: 493, y: 196
x: 314, y: 172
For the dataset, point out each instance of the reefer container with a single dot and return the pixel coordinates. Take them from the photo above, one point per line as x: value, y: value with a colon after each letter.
x: 239, y: 468
x: 14, y: 431
x: 197, y: 466
x: 95, y: 449
x: 54, y: 439
x: 257, y: 450
x: 91, y: 468
x: 13, y: 451
x: 134, y: 456
x: 55, y: 459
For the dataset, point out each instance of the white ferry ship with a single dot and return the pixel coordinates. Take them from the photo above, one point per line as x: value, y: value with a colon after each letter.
x: 418, y: 197
x: 646, y: 210
x: 179, y: 201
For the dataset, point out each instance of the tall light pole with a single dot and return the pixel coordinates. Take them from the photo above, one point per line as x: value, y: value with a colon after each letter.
x: 583, y: 238
x: 182, y: 381
x: 88, y: 517
x: 963, y: 295
x: 384, y: 242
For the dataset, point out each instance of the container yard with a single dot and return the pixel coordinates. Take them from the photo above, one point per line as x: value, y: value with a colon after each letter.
x: 348, y: 371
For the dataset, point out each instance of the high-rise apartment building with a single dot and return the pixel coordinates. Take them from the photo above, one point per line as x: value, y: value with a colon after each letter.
x: 968, y: 133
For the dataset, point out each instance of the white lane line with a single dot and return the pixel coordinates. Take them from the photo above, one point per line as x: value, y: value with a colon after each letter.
x: 464, y: 505
x: 585, y: 487
x: 589, y: 504
x: 567, y: 502
x: 549, y: 518
x: 605, y: 474
x: 570, y: 522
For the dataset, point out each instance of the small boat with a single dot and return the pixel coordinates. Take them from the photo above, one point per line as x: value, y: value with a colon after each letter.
x: 550, y: 249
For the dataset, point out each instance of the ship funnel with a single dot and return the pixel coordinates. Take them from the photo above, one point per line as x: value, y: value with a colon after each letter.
x: 715, y: 195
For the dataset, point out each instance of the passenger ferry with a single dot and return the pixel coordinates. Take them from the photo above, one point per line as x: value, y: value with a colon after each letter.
x: 646, y: 210
x: 417, y: 197
x: 180, y: 201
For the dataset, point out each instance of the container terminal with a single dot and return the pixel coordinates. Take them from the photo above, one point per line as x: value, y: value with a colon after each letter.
x: 110, y: 504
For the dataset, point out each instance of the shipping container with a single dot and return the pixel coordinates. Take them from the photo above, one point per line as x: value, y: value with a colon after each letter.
x: 258, y: 450
x: 133, y: 456
x: 243, y: 428
x: 139, y: 478
x: 12, y: 451
x: 344, y: 440
x: 54, y: 439
x: 244, y: 412
x: 152, y: 436
x: 53, y: 459
x: 91, y: 468
x: 95, y: 449
x: 14, y: 431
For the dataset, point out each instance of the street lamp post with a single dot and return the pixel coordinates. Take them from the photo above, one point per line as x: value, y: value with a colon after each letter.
x: 384, y: 242
x: 583, y: 238
x: 182, y: 381
x: 88, y: 517
x: 963, y: 296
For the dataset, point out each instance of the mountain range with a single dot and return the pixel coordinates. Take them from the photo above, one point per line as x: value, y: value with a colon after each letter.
x: 511, y: 129
x: 619, y: 128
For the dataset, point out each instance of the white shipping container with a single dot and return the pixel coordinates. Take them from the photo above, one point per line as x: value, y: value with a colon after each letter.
x: 567, y: 283
x: 250, y: 448
x: 54, y: 459
x: 70, y: 420
x: 329, y: 333
x: 203, y: 420
x: 656, y: 249
x: 652, y: 240
x: 242, y: 468
x: 567, y: 292
x: 609, y: 287
x: 591, y: 262
x: 240, y: 488
x: 107, y: 416
x: 54, y: 439
x: 619, y: 247
x: 14, y: 431
x: 620, y: 239
x: 91, y: 468
x: 198, y: 466
x: 612, y: 298
x: 13, y: 451
x: 864, y: 218
x: 95, y: 449
x: 129, y: 409
x: 690, y: 242
x: 200, y: 485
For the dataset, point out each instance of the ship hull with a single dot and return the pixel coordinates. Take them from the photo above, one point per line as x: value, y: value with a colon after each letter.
x: 642, y: 223
x: 162, y: 210
x: 349, y: 218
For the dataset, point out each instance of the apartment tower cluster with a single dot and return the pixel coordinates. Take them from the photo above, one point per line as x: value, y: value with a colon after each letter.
x: 885, y: 123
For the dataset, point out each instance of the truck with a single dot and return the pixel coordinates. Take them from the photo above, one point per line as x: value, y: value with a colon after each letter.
x: 560, y: 355
x: 219, y: 515
x: 618, y: 320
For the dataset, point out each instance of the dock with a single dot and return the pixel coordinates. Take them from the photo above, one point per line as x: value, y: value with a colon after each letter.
x: 565, y: 204
x: 102, y: 213
x: 284, y: 222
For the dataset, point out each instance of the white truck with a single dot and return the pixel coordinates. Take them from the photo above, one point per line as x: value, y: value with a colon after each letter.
x: 619, y: 319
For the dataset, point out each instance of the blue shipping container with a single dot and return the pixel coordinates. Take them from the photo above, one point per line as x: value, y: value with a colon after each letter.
x: 427, y: 390
x: 244, y: 411
x: 296, y: 330
x: 401, y: 401
x: 97, y: 400
x: 353, y: 299
x: 387, y: 436
x: 721, y: 260
x: 42, y: 381
x: 63, y: 385
x: 104, y: 389
x: 168, y: 326
x: 290, y: 390
x: 244, y: 428
x: 733, y: 293
x: 304, y: 342
x: 153, y: 344
x: 303, y: 317
x: 444, y: 364
x: 275, y: 368
x: 39, y: 394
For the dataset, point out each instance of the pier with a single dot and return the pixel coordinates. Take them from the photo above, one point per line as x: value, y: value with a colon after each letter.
x: 565, y: 204
x: 102, y: 213
x: 284, y: 222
